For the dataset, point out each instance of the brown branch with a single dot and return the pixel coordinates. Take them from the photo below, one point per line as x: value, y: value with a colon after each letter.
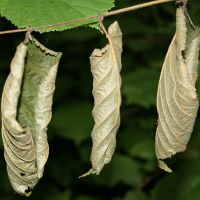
x: 107, y: 14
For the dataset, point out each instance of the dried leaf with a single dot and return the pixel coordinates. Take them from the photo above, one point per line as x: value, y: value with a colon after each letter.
x: 181, y: 29
x: 105, y: 67
x: 177, y: 101
x: 26, y: 112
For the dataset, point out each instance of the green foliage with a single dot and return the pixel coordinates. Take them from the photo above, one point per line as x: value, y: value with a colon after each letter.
x: 145, y: 149
x: 119, y: 172
x: 135, y: 195
x: 69, y: 114
x: 36, y: 13
x: 83, y: 198
x: 182, y: 185
x: 60, y: 195
x: 139, y: 87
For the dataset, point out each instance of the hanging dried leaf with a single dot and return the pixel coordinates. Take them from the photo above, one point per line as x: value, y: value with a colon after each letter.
x: 177, y: 101
x: 105, y: 67
x: 181, y: 29
x: 26, y: 112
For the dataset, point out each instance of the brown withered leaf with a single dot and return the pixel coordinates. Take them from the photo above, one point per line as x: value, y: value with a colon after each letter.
x: 105, y: 67
x: 177, y: 101
x: 26, y: 112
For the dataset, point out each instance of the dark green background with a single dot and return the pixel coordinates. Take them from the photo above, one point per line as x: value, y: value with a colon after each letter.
x: 133, y: 173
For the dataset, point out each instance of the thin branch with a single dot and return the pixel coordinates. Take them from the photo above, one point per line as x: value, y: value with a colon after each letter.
x: 107, y: 14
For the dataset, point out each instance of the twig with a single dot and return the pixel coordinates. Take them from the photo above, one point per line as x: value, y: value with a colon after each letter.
x: 107, y: 14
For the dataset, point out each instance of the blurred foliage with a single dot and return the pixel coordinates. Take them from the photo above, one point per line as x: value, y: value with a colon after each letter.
x: 133, y: 173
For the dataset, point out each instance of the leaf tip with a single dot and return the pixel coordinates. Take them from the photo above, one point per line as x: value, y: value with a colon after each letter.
x: 91, y: 171
x: 164, y: 166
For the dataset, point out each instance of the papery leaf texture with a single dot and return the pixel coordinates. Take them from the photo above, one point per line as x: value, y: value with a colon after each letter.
x: 105, y: 67
x: 36, y: 13
x: 177, y: 101
x: 26, y: 111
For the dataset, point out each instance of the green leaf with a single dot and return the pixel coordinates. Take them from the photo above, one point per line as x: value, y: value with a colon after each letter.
x: 73, y: 120
x: 135, y: 195
x: 121, y: 169
x: 35, y: 13
x: 139, y: 87
x: 180, y: 185
x: 84, y: 198
x: 133, y: 133
x: 144, y: 149
x: 60, y: 196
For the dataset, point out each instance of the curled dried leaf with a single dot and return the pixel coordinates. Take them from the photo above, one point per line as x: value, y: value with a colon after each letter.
x: 181, y: 29
x: 19, y: 147
x: 26, y: 112
x: 105, y: 67
x: 177, y: 101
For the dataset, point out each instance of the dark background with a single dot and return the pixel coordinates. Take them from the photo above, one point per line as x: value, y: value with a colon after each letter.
x: 133, y: 173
